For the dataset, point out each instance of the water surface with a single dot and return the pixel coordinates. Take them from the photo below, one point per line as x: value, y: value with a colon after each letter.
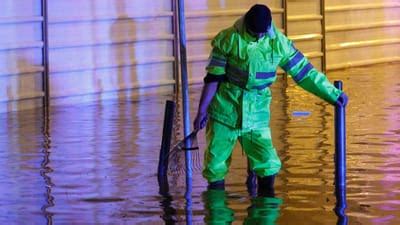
x: 97, y: 163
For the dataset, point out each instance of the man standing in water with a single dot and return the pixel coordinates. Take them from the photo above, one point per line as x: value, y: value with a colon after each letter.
x: 236, y: 96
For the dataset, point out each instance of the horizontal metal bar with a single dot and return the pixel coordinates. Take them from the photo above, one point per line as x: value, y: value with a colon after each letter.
x: 304, y: 18
x: 204, y: 36
x: 105, y: 17
x: 230, y: 12
x: 22, y: 70
x: 349, y: 27
x: 22, y: 19
x: 21, y: 45
x: 105, y: 90
x: 197, y: 58
x: 360, y: 44
x: 80, y: 43
x: 363, y: 63
x: 311, y: 55
x: 201, y: 36
x: 23, y: 96
x: 306, y: 37
x: 353, y: 7
x: 132, y: 63
x: 146, y: 84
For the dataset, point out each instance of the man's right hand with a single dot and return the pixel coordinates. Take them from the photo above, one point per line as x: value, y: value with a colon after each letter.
x: 200, y: 121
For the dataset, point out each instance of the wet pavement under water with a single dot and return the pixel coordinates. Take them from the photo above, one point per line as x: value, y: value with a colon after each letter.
x: 97, y: 164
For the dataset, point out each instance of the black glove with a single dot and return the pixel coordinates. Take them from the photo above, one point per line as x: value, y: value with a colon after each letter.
x: 342, y: 100
x: 200, y: 121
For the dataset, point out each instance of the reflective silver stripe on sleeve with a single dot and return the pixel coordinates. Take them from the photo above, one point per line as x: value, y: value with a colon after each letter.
x: 291, y: 63
x: 214, y: 61
x: 265, y: 75
x: 303, y: 72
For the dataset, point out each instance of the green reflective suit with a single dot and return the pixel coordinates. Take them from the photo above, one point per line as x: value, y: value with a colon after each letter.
x: 240, y: 108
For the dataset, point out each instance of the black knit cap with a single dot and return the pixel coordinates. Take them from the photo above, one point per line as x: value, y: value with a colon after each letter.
x: 258, y: 18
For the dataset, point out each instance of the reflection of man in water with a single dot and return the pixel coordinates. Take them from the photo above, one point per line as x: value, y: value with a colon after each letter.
x: 263, y: 209
x: 217, y: 209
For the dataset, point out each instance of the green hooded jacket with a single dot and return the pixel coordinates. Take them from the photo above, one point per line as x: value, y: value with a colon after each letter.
x: 250, y: 67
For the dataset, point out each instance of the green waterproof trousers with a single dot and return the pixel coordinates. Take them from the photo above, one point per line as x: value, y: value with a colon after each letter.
x: 257, y: 145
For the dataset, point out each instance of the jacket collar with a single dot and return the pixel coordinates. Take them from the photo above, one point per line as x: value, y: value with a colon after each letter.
x: 240, y: 27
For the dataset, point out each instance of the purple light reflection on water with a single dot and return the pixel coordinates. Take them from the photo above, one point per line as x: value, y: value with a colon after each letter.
x: 98, y: 162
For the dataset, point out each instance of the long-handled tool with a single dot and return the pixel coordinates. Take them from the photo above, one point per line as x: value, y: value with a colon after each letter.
x: 176, y: 156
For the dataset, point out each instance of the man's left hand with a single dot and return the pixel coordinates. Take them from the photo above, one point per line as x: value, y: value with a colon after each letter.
x: 342, y: 100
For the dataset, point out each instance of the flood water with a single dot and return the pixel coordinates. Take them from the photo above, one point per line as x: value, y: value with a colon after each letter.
x: 97, y: 163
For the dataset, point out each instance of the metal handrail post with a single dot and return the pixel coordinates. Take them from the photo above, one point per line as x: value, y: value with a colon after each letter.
x: 175, y: 44
x: 185, y: 90
x: 323, y: 31
x: 340, y: 161
x: 285, y: 17
x: 340, y: 141
x: 45, y: 59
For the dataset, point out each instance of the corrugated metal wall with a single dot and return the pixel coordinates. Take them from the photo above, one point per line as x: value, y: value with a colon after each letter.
x: 102, y: 49
x: 98, y: 49
x: 305, y: 28
x: 20, y: 55
x: 362, y: 32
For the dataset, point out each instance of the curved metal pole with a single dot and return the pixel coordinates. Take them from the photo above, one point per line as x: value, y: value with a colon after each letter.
x: 340, y: 161
x: 340, y: 142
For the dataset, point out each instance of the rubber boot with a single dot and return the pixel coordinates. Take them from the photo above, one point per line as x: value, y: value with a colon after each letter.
x: 266, y: 186
x: 251, y: 183
x: 217, y: 185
